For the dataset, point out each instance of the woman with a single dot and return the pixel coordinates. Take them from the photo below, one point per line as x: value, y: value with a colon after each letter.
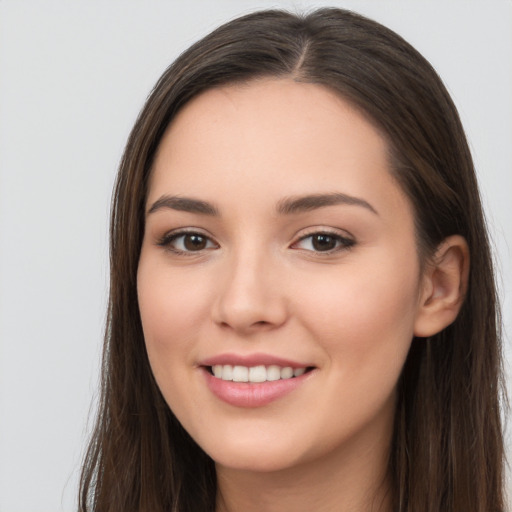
x: 302, y: 311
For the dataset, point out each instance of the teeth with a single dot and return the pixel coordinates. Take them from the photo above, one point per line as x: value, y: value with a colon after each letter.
x: 240, y: 374
x: 273, y: 373
x: 286, y: 372
x: 255, y: 373
x: 227, y: 372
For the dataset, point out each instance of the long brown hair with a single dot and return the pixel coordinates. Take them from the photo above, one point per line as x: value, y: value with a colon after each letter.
x: 447, y: 452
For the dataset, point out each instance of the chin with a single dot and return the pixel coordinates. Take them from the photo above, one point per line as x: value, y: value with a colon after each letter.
x: 253, y: 455
x: 257, y: 462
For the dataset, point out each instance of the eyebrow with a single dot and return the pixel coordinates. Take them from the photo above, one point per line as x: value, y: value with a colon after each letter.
x: 184, y: 204
x: 312, y: 202
x: 287, y: 206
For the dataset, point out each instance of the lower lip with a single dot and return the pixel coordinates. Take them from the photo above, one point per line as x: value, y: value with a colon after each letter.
x: 248, y: 394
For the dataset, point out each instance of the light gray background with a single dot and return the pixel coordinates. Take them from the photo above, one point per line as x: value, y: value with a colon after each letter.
x: 73, y: 76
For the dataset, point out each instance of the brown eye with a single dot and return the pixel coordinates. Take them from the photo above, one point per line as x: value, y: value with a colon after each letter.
x: 194, y: 242
x: 188, y: 242
x: 323, y: 242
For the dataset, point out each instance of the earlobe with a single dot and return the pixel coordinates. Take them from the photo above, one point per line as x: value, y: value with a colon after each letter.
x: 445, y: 282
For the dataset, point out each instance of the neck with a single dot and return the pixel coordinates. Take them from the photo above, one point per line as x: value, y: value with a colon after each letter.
x: 349, y: 479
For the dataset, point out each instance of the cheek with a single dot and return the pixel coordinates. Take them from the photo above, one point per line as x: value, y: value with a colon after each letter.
x: 172, y: 309
x: 364, y: 324
x: 364, y: 314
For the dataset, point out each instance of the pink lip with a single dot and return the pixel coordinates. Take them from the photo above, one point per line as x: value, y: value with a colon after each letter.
x: 247, y: 394
x: 251, y: 394
x: 251, y: 360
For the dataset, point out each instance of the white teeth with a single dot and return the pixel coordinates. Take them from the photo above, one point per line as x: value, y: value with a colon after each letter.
x: 258, y: 373
x: 273, y: 373
x: 227, y: 372
x: 286, y: 372
x: 240, y: 374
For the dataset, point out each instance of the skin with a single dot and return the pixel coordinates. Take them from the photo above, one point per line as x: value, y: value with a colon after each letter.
x: 259, y: 285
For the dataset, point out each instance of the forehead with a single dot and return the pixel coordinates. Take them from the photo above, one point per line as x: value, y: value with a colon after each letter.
x: 269, y: 111
x: 274, y: 136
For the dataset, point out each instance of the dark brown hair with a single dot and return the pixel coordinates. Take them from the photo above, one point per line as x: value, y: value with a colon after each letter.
x: 447, y: 453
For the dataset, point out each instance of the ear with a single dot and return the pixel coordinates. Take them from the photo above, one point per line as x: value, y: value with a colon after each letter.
x: 445, y: 282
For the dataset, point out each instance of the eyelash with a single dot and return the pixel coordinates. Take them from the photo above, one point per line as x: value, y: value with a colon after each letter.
x: 342, y: 243
x: 167, y: 240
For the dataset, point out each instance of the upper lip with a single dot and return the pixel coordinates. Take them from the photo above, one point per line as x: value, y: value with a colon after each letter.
x: 250, y: 360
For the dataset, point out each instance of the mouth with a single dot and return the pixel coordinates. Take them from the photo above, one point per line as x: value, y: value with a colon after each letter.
x: 256, y: 374
x: 256, y: 379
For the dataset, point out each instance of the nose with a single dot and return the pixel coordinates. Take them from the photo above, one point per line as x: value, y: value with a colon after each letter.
x: 252, y: 296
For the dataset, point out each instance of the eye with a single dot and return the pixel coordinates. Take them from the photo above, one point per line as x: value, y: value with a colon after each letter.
x: 187, y: 242
x: 324, y: 242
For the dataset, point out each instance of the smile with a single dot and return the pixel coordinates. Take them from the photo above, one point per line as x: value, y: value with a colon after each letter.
x: 253, y: 381
x: 260, y: 373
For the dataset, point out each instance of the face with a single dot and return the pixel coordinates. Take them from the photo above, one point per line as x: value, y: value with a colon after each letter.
x: 279, y: 279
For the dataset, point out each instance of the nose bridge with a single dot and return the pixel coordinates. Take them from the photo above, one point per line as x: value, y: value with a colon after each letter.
x: 251, y: 295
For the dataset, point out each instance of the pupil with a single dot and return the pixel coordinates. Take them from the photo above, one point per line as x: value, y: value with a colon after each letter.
x: 324, y: 242
x: 194, y: 242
